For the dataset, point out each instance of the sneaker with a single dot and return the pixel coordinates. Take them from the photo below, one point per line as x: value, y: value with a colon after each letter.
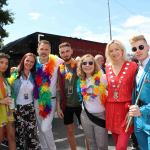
x: 134, y: 147
x: 80, y: 127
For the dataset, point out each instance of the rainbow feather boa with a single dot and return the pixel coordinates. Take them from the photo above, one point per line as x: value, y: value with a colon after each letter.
x: 43, y: 81
x: 67, y: 74
x: 13, y: 77
x: 99, y: 88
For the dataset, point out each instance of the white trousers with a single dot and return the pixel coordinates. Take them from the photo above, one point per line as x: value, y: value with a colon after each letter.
x: 45, y: 133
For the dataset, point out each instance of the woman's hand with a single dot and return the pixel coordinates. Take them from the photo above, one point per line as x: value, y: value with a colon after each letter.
x: 6, y: 101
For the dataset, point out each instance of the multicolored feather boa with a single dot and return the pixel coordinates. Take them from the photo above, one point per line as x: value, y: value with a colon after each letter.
x: 13, y: 77
x: 65, y: 73
x: 99, y: 88
x: 43, y: 81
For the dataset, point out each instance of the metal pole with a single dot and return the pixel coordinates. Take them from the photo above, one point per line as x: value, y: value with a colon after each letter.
x: 110, y: 34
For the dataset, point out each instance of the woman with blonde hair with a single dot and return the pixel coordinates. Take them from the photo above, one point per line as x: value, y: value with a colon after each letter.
x: 120, y: 77
x: 92, y: 92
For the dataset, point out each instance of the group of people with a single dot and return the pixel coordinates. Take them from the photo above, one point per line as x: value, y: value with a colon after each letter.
x: 113, y: 99
x: 31, y: 86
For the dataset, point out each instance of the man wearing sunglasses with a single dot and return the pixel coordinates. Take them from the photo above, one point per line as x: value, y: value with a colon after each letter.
x: 141, y: 112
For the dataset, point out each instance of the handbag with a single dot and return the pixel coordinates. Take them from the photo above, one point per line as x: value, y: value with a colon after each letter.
x: 98, y: 121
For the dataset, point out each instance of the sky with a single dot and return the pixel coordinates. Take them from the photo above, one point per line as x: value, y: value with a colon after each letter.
x: 85, y: 19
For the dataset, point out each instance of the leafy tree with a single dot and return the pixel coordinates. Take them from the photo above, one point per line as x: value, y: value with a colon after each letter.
x: 6, y: 18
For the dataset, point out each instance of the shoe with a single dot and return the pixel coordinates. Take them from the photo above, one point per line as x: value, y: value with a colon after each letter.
x: 134, y: 148
x: 80, y: 127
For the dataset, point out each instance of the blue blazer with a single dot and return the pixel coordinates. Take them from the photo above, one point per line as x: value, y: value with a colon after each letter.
x: 143, y: 122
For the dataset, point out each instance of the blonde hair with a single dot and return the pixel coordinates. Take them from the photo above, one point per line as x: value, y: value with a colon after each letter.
x: 121, y: 46
x: 137, y: 38
x: 80, y: 71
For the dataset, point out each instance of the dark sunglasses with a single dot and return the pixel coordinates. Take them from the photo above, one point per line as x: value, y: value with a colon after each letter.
x: 89, y: 63
x: 140, y: 47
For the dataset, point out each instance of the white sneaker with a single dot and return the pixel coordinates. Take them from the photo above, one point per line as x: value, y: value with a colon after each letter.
x: 80, y: 127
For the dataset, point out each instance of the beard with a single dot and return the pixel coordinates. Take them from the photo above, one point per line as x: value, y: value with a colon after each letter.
x: 43, y: 55
x: 67, y: 59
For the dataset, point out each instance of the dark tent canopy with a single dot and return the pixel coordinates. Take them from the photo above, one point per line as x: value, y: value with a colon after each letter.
x: 29, y: 43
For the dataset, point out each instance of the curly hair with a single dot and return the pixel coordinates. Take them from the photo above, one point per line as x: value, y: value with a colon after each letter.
x: 80, y: 71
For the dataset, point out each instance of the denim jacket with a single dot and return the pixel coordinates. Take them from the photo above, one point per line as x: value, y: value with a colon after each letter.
x: 17, y: 84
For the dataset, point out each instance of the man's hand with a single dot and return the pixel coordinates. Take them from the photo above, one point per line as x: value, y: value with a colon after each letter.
x: 60, y: 113
x: 13, y: 69
x: 59, y: 110
x: 134, y: 111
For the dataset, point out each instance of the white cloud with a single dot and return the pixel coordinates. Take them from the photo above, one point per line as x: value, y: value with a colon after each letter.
x: 34, y: 15
x: 61, y: 1
x: 136, y: 21
x: 85, y: 33
x: 117, y: 33
x: 137, y: 25
x: 132, y: 26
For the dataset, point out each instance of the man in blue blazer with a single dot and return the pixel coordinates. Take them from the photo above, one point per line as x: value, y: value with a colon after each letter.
x: 141, y: 112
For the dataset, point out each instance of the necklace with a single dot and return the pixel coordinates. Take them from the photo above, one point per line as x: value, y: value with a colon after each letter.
x: 115, y: 85
x: 42, y: 83
x: 96, y: 89
x: 66, y: 72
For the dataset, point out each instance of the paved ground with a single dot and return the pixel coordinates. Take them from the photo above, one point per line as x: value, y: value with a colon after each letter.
x: 61, y: 140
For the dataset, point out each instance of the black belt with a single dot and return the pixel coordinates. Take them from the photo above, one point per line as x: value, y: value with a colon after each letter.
x: 53, y: 97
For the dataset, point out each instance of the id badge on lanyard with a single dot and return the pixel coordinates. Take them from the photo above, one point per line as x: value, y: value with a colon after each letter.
x: 70, y: 89
x: 25, y: 87
x: 26, y: 96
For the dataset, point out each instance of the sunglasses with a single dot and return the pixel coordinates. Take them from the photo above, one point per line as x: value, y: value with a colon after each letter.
x: 140, y: 47
x: 89, y: 63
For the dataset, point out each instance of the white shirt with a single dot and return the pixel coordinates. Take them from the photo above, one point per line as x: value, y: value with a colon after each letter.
x: 54, y: 77
x: 93, y: 105
x: 141, y: 69
x: 26, y: 88
x: 53, y: 83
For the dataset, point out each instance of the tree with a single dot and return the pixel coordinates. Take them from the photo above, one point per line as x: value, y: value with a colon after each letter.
x: 6, y: 18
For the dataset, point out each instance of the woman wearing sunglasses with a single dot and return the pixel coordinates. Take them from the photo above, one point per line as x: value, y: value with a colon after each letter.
x: 120, y: 76
x: 92, y: 92
x: 141, y: 113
